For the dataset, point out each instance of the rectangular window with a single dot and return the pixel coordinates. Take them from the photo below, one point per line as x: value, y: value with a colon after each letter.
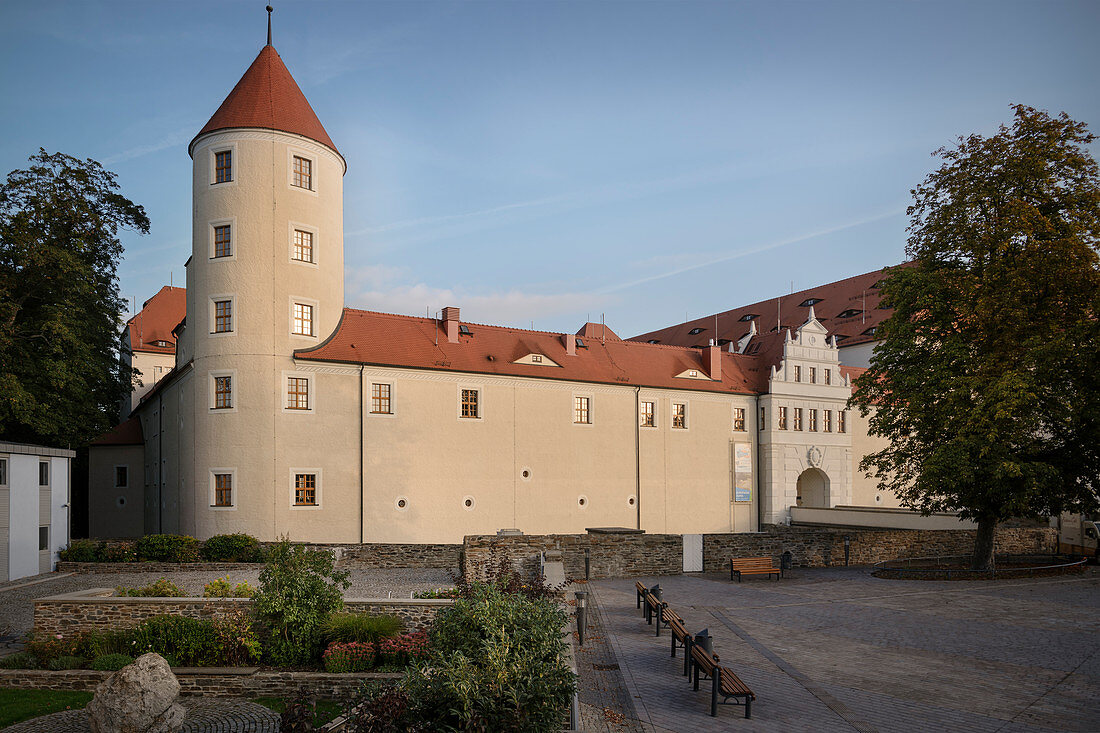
x: 223, y: 166
x: 798, y: 418
x: 580, y: 410
x: 303, y: 319
x: 842, y: 421
x: 813, y: 375
x: 782, y: 418
x: 305, y: 489
x: 828, y: 421
x: 3, y: 471
x: 303, y: 246
x: 43, y: 538
x: 763, y: 422
x: 739, y: 419
x: 222, y: 246
x: 648, y: 417
x: 469, y: 403
x: 828, y: 376
x: 223, y: 316
x: 223, y: 392
x: 297, y: 393
x: 122, y: 477
x: 44, y: 473
x: 813, y: 421
x: 679, y: 415
x: 223, y: 489
x: 798, y: 374
x: 380, y: 399
x: 303, y: 172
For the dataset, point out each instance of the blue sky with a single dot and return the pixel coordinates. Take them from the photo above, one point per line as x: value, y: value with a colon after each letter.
x: 551, y: 162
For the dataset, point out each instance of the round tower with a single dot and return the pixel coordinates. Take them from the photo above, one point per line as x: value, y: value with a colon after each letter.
x: 266, y: 277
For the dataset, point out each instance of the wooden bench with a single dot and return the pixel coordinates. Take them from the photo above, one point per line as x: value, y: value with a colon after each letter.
x: 753, y: 566
x: 682, y: 639
x: 641, y: 590
x: 665, y: 616
x: 723, y: 681
x: 650, y: 604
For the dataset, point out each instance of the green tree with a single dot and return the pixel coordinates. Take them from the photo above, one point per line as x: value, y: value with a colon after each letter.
x: 61, y: 379
x: 987, y: 382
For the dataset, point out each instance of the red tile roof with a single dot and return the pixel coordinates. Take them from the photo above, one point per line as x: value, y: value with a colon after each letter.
x: 155, y: 321
x: 857, y: 294
x: 267, y: 97
x: 384, y: 339
x: 597, y: 331
x: 125, y: 433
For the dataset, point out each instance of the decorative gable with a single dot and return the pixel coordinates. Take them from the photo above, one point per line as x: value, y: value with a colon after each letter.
x: 693, y: 374
x: 536, y: 360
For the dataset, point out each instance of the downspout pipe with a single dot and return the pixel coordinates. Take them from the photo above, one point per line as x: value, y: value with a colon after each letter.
x: 362, y: 497
x: 758, y: 477
x: 638, y: 455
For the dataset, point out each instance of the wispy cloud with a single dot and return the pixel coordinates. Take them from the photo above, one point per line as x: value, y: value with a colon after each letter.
x: 172, y: 139
x: 711, y: 260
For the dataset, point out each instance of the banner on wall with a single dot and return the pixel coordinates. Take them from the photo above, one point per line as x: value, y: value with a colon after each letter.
x: 742, y: 472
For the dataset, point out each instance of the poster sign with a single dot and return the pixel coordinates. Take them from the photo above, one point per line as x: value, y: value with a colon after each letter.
x: 742, y: 472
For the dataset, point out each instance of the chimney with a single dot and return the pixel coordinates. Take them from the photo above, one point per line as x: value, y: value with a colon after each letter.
x: 570, y: 342
x: 450, y: 318
x: 714, y: 361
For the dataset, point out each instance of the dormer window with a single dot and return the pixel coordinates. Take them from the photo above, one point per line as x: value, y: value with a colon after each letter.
x: 871, y: 331
x: 694, y: 331
x: 838, y: 338
x: 654, y: 341
x: 464, y: 330
x: 723, y: 342
x: 849, y: 313
x: 748, y: 317
x: 581, y: 344
x: 809, y: 301
x: 161, y: 344
x: 693, y: 373
x: 536, y: 358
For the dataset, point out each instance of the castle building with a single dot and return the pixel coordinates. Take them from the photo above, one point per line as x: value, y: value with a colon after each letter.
x: 286, y: 413
x: 149, y: 344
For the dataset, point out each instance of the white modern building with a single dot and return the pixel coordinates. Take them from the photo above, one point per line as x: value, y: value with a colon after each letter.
x: 35, y: 484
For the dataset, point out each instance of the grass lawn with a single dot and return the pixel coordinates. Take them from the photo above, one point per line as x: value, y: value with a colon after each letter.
x: 324, y: 712
x: 20, y: 705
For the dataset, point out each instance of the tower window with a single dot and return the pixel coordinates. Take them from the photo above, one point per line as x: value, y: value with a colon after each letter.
x: 647, y: 417
x: 223, y: 316
x: 222, y: 241
x: 223, y: 392
x: 380, y: 403
x: 303, y: 173
x: 305, y: 489
x: 581, y: 412
x: 679, y: 415
x: 470, y: 403
x: 223, y: 166
x: 223, y: 489
x: 303, y: 319
x: 297, y: 393
x: 303, y: 246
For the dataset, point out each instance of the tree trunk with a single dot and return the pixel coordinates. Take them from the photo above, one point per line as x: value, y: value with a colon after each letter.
x: 983, y: 544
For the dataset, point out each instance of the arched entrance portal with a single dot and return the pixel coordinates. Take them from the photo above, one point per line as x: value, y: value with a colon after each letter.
x: 813, y: 488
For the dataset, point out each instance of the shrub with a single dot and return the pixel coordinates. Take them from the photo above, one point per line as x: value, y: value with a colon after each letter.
x: 438, y: 593
x: 120, y: 552
x: 104, y: 643
x: 404, y: 649
x: 345, y: 627
x: 299, y: 590
x: 188, y: 642
x: 20, y: 660
x: 381, y: 711
x: 163, y: 588
x: 111, y: 662
x: 221, y: 588
x: 66, y: 663
x: 82, y: 551
x: 232, y: 548
x: 168, y: 548
x: 48, y: 648
x: 352, y: 656
x: 495, y: 664
x: 238, y: 643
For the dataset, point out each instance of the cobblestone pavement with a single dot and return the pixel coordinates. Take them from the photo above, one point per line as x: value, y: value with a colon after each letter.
x: 17, y: 607
x: 223, y: 715
x: 839, y: 650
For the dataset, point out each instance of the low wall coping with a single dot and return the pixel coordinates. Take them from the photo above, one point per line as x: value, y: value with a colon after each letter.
x: 105, y: 595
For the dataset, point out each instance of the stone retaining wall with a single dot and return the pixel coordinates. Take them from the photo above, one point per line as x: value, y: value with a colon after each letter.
x: 212, y: 683
x: 154, y: 567
x: 97, y: 609
x: 611, y: 555
x: 816, y: 548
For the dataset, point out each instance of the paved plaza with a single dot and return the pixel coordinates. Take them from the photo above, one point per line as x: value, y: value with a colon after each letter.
x: 839, y: 650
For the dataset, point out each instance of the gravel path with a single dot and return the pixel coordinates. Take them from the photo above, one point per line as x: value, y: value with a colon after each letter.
x: 17, y: 607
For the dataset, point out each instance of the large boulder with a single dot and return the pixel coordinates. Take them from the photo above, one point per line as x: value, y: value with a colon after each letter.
x: 139, y: 698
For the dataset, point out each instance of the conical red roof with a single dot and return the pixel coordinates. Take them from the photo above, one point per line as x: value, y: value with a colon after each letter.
x: 267, y: 97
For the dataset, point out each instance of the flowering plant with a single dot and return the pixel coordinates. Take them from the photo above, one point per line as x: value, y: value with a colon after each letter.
x: 409, y: 647
x: 352, y: 656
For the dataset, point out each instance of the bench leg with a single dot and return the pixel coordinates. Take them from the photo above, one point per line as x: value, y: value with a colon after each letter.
x: 715, y: 682
x: 687, y: 658
x: 748, y: 707
x: 731, y: 571
x: 660, y: 613
x: 695, y: 675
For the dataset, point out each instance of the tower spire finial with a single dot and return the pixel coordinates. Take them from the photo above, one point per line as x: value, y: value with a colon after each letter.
x: 269, y: 9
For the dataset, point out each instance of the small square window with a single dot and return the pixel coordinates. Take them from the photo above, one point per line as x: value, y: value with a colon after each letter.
x: 648, y: 415
x: 380, y: 403
x: 581, y: 410
x: 223, y: 489
x: 223, y: 166
x: 303, y: 320
x: 679, y: 415
x: 44, y: 473
x: 303, y: 246
x: 222, y: 241
x: 223, y: 392
x: 223, y: 316
x: 122, y: 477
x: 470, y: 403
x: 303, y: 172
x: 305, y: 489
x: 43, y: 539
x: 739, y: 419
x: 297, y: 393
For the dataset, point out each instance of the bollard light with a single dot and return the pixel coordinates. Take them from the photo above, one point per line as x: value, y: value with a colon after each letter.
x: 847, y: 549
x: 786, y: 562
x: 582, y: 614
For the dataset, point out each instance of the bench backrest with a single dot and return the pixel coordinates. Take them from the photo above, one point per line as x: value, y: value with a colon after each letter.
x: 678, y: 630
x: 751, y: 563
x: 703, y: 659
x: 640, y: 588
x: 652, y: 600
x: 667, y: 614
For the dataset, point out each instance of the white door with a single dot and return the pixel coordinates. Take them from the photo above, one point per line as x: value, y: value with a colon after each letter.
x: 693, y: 553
